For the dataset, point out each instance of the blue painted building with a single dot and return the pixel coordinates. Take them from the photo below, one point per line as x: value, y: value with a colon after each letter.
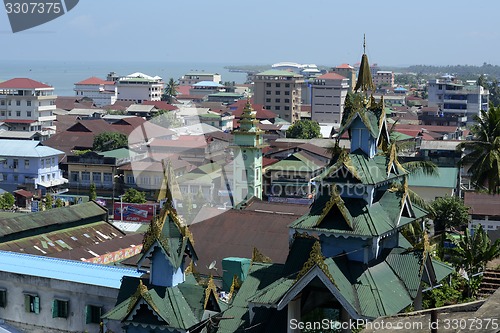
x: 29, y: 165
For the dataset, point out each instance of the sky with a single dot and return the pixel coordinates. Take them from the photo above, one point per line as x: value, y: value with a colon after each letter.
x: 323, y: 32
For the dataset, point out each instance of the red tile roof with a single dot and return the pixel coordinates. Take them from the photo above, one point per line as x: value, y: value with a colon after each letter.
x: 345, y: 66
x: 23, y: 83
x: 331, y: 76
x: 94, y: 80
x: 19, y: 121
x: 261, y: 112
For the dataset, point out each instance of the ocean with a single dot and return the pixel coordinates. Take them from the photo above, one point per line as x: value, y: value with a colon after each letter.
x: 63, y: 75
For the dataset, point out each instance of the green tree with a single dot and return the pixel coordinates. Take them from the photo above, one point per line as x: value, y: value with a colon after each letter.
x: 448, y: 212
x: 92, y: 192
x: 134, y: 196
x: 482, y: 155
x: 494, y: 91
x: 9, y: 200
x: 59, y: 203
x: 49, y: 201
x: 304, y: 129
x: 109, y: 140
x: 170, y: 91
x: 481, y: 81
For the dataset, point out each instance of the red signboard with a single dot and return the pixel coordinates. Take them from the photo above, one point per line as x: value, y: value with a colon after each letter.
x: 132, y: 212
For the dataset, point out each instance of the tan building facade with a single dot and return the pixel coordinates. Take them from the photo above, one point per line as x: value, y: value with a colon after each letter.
x: 280, y: 92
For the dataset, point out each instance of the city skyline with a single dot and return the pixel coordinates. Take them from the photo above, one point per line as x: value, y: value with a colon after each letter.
x: 321, y: 32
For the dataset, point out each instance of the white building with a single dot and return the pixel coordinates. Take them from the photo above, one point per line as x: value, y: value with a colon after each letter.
x: 100, y: 91
x: 194, y: 77
x: 139, y: 87
x: 328, y: 97
x: 27, y: 105
x: 384, y: 79
x: 456, y: 99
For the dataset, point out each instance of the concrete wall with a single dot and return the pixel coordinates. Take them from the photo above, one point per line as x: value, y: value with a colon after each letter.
x: 78, y: 295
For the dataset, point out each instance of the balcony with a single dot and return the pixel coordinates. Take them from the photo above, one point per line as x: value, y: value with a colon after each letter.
x: 46, y: 118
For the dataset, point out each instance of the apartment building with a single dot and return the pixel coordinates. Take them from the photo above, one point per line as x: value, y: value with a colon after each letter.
x: 280, y: 92
x: 383, y: 79
x: 348, y: 72
x: 328, y: 97
x: 457, y: 99
x: 100, y: 91
x: 139, y: 87
x: 27, y: 105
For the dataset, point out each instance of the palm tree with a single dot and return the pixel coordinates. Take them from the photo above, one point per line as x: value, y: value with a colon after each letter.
x: 482, y: 156
x: 170, y: 91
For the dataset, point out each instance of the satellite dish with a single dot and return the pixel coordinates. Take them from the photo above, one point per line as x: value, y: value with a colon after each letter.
x: 212, y: 265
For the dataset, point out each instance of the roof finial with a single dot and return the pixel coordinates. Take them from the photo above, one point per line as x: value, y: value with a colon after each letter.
x: 364, y: 43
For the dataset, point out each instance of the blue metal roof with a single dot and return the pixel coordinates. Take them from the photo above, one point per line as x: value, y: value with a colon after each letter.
x: 207, y: 84
x: 65, y: 270
x: 26, y: 148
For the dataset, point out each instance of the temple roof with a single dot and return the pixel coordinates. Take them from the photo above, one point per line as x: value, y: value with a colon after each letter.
x: 353, y: 216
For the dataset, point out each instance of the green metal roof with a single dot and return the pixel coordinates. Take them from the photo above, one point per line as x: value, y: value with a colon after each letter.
x: 119, y: 153
x: 27, y: 223
x: 447, y: 178
x: 295, y: 162
x: 355, y: 217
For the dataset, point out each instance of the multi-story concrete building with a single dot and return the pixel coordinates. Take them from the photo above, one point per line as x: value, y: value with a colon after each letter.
x: 456, y: 99
x: 383, y: 79
x: 348, y: 72
x: 139, y: 87
x: 27, y: 105
x: 29, y: 165
x: 280, y: 92
x: 100, y: 91
x: 328, y: 96
x: 195, y: 77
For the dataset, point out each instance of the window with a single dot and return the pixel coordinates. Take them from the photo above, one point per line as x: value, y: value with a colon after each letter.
x: 53, y: 161
x: 96, y: 177
x: 18, y: 103
x: 10, y: 113
x: 287, y: 93
x: 26, y: 164
x: 32, y: 303
x: 15, y: 163
x: 85, y: 176
x: 287, y: 100
x: 60, y: 308
x: 130, y: 180
x: 287, y: 85
x: 277, y: 107
x: 287, y: 108
x: 278, y: 92
x: 268, y: 92
x: 278, y: 85
x: 42, y: 163
x: 74, y: 176
x: 93, y: 314
x: 277, y: 100
x: 2, y: 113
x: 3, y: 298
x: 268, y: 84
x: 107, y: 177
x: 18, y: 113
x: 28, y: 103
x: 268, y: 100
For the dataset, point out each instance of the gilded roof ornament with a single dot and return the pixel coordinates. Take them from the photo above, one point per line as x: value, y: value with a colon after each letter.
x: 335, y: 201
x: 210, y: 288
x: 257, y: 256
x: 315, y: 259
x: 235, y: 285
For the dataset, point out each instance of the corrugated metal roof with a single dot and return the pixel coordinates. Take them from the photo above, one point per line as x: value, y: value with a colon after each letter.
x: 65, y: 270
x: 448, y: 178
x: 26, y: 148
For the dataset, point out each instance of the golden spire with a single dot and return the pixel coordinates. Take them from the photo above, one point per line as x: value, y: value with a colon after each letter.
x: 364, y: 82
x: 257, y: 256
x: 210, y: 288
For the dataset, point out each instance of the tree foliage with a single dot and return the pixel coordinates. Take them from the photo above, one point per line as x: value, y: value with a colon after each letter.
x: 59, y: 203
x: 448, y: 212
x: 92, y: 192
x: 304, y: 129
x: 49, y: 201
x: 7, y: 201
x: 134, y: 196
x: 474, y: 249
x: 482, y: 155
x: 170, y: 91
x: 109, y: 140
